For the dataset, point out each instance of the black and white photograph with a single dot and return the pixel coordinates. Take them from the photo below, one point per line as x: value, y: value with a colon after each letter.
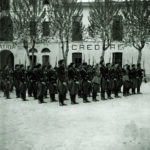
x: 74, y: 74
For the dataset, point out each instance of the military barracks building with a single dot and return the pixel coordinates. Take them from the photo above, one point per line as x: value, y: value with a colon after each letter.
x: 82, y: 48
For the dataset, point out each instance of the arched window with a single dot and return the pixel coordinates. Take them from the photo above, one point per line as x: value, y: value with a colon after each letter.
x: 6, y: 29
x: 45, y: 57
x: 46, y: 50
x: 4, y: 5
x: 33, y: 50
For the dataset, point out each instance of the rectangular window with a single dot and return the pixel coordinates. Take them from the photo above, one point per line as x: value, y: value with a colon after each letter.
x: 77, y: 58
x: 77, y: 28
x: 117, y: 29
x: 117, y: 58
x: 32, y: 28
x: 46, y: 29
x: 45, y: 60
x: 34, y: 59
x: 4, y: 5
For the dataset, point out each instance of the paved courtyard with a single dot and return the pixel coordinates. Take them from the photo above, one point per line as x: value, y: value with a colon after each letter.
x: 120, y: 124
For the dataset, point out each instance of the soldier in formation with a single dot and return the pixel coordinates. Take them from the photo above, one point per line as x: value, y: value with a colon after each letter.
x: 82, y: 81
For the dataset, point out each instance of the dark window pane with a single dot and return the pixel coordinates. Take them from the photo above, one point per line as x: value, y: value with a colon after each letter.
x: 117, y: 29
x: 32, y: 28
x: 45, y: 60
x: 45, y: 2
x: 77, y: 29
x: 34, y: 59
x: 4, y: 5
x: 117, y: 58
x: 6, y: 29
x: 77, y: 58
x: 46, y: 29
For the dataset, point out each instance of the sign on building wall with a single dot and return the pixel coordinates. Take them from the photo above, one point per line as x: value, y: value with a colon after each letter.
x: 7, y: 46
x: 85, y: 46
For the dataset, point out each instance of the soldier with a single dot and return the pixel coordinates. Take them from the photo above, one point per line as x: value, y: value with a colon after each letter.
x: 84, y: 82
x: 17, y: 80
x: 29, y: 81
x: 34, y: 80
x: 116, y: 81
x: 90, y: 77
x: 41, y: 86
x: 139, y: 76
x: 109, y: 80
x: 23, y: 83
x: 61, y: 82
x: 103, y: 79
x: 52, y: 79
x: 7, y: 85
x: 133, y: 78
x: 95, y: 83
x: 129, y: 85
x: 125, y: 79
x: 72, y: 84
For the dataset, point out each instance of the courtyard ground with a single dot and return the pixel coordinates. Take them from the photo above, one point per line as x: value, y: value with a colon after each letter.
x: 118, y: 124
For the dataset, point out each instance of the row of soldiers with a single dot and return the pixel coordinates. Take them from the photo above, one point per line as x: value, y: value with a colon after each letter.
x: 82, y: 81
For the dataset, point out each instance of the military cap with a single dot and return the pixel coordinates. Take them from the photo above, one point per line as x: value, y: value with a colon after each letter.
x: 38, y: 65
x: 60, y: 61
x: 101, y: 62
x: 84, y: 64
x: 133, y: 65
x: 107, y: 64
x: 71, y: 64
x: 138, y: 65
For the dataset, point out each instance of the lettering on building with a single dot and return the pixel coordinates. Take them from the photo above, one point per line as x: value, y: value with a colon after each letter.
x: 81, y: 47
x: 6, y: 46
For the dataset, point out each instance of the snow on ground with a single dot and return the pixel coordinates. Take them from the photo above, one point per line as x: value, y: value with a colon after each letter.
x: 120, y: 124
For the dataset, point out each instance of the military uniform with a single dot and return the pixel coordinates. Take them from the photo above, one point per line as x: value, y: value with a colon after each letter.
x: 95, y: 84
x: 84, y: 83
x: 23, y: 83
x: 17, y: 76
x: 52, y: 79
x: 103, y: 80
x: 41, y: 86
x: 61, y: 83
x: 72, y: 84
x: 109, y: 81
x: 139, y: 76
x: 133, y: 79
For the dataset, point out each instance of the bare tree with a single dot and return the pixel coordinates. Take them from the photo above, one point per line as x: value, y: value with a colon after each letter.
x: 101, y: 19
x: 62, y: 20
x: 27, y: 16
x: 136, y: 15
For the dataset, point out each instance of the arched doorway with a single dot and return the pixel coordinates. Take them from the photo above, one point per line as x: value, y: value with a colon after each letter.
x: 77, y: 58
x: 117, y: 58
x: 6, y: 58
x: 33, y: 55
x: 45, y: 56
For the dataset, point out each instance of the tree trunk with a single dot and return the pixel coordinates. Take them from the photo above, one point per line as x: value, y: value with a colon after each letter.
x: 139, y: 56
x: 28, y: 56
x: 33, y: 46
x: 67, y: 50
x: 102, y: 55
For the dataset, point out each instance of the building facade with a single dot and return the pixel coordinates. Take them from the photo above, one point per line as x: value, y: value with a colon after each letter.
x: 82, y: 48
